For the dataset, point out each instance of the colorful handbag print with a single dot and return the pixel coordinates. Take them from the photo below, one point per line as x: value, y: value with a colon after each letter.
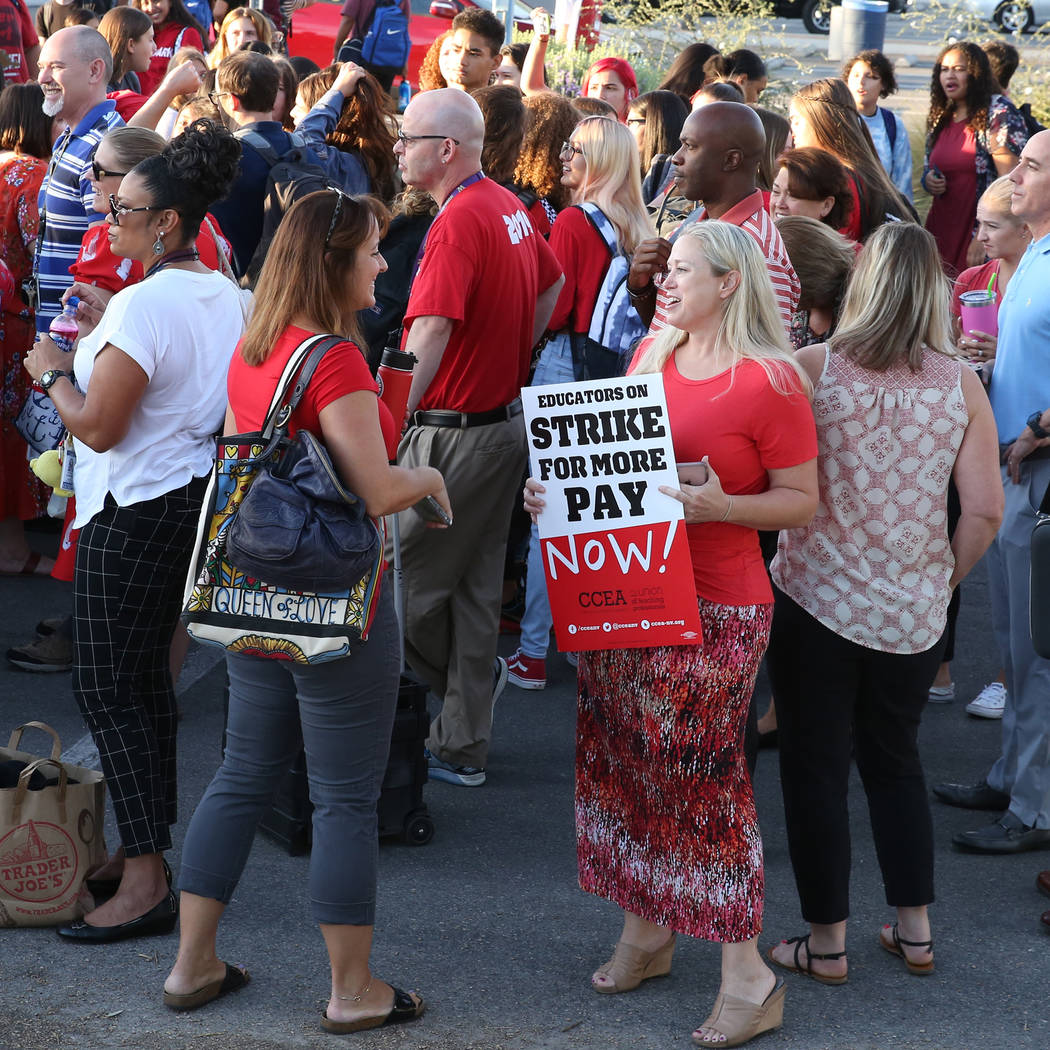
x: 231, y: 608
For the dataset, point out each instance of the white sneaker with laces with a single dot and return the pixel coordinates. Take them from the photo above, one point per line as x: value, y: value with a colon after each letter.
x: 989, y: 702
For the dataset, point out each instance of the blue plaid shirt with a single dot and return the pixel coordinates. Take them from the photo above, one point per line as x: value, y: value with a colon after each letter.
x: 65, y: 208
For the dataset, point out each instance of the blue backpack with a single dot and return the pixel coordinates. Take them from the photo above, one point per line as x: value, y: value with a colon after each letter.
x: 615, y: 325
x: 386, y: 43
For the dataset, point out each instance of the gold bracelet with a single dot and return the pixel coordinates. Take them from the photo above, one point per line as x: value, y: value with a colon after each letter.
x: 729, y: 510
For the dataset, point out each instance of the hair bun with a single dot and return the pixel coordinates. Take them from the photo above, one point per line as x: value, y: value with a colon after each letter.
x: 205, y: 154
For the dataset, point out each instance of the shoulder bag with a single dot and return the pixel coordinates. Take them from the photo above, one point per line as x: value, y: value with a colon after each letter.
x: 287, y: 563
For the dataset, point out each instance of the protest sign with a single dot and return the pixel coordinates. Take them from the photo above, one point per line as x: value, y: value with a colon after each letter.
x: 614, y: 547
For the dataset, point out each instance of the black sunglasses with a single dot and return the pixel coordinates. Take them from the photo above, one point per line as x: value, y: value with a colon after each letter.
x: 101, y: 173
x: 336, y: 212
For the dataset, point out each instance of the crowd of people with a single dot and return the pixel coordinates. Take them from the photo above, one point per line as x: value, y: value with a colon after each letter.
x: 855, y: 450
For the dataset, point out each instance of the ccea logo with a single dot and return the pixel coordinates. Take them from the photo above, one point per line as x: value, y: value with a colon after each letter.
x: 519, y: 226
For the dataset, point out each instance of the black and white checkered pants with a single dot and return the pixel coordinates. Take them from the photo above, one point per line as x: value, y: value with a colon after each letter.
x: 127, y: 592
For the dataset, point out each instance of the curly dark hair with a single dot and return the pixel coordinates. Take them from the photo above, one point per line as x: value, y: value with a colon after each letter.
x: 504, y: 114
x: 880, y: 65
x: 192, y: 172
x: 482, y: 23
x: 365, y: 126
x: 979, y: 83
x: 549, y: 121
x: 430, y: 78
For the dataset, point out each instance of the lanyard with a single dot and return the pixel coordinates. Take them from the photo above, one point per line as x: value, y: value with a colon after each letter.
x: 183, y: 255
x: 468, y: 181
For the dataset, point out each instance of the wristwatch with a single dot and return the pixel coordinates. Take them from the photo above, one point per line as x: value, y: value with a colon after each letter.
x: 1035, y: 428
x: 49, y: 378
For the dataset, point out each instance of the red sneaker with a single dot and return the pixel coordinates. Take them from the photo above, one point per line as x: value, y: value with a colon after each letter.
x: 527, y: 672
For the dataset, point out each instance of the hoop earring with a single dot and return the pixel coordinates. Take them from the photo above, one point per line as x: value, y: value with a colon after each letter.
x: 158, y: 245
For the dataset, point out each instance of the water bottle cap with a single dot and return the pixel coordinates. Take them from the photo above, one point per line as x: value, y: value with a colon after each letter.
x: 72, y: 302
x: 400, y: 359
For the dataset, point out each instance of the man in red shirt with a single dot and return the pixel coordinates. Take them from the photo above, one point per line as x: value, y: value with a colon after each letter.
x: 481, y: 298
x: 19, y: 45
x: 717, y: 163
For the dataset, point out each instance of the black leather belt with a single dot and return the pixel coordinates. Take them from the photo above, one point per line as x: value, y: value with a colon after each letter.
x: 439, y: 417
x: 1043, y: 452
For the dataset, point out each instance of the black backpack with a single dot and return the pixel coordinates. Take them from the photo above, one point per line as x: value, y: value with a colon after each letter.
x: 1031, y: 124
x: 293, y: 174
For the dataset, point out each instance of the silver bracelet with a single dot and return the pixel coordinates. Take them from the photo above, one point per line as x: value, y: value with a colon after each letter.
x: 729, y: 510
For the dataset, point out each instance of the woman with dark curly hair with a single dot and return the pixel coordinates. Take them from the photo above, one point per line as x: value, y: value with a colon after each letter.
x: 973, y: 137
x: 549, y: 120
x: 351, y: 128
x: 824, y: 115
x: 814, y: 183
x: 153, y: 371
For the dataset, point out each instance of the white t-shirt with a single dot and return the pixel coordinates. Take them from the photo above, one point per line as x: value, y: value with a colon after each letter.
x: 181, y: 329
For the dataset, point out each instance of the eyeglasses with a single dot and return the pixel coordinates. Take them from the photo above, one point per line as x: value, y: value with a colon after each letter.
x: 214, y: 96
x: 117, y: 210
x: 101, y: 173
x: 336, y: 212
x: 568, y: 149
x: 407, y: 140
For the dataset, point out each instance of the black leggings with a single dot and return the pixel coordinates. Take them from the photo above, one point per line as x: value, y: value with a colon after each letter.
x: 836, y: 698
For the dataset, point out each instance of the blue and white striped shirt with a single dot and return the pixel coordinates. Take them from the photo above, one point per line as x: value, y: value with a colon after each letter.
x: 65, y: 208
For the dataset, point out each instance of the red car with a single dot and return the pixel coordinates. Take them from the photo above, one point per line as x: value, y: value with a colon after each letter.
x: 312, y: 34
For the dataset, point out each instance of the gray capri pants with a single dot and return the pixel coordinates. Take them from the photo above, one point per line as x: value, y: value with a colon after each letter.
x: 346, y: 710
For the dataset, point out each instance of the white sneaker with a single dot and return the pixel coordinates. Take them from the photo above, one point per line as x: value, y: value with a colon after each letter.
x: 989, y: 702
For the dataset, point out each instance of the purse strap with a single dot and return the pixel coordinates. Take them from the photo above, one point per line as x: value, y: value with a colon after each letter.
x: 283, y: 403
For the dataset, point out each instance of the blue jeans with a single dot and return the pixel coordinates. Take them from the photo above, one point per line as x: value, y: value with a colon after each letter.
x: 554, y: 366
x: 345, y: 710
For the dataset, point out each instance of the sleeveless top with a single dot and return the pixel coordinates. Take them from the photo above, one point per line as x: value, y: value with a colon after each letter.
x: 873, y: 565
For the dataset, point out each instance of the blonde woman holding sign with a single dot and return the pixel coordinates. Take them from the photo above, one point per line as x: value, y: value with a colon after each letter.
x: 665, y: 816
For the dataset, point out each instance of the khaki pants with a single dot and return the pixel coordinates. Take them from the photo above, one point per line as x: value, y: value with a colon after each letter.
x: 454, y: 577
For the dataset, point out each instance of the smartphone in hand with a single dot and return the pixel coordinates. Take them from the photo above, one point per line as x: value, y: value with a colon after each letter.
x: 429, y: 509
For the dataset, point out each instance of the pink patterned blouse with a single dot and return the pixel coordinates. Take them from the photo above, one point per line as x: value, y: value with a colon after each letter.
x: 873, y: 565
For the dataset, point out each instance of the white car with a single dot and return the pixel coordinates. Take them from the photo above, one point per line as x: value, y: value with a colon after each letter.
x: 1013, y: 16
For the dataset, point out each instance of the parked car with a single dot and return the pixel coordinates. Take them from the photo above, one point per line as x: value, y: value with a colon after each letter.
x: 1011, y: 16
x: 313, y: 28
x: 816, y: 14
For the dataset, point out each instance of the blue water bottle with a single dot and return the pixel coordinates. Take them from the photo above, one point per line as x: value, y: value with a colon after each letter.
x: 404, y: 95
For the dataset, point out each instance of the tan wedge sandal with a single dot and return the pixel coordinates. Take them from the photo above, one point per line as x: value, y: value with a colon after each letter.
x: 736, y: 1021
x: 629, y: 966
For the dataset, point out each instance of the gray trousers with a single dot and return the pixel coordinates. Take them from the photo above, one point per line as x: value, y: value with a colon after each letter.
x: 454, y: 577
x: 345, y: 709
x: 1023, y: 769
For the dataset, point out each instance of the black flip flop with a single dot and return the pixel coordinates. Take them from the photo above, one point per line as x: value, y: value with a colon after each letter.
x: 405, y: 1008
x: 234, y: 980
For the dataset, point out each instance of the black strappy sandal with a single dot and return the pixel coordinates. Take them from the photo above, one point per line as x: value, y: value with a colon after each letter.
x: 898, y: 946
x: 807, y: 970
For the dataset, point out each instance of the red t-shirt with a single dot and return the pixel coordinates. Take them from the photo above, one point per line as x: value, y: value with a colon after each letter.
x: 584, y: 259
x: 128, y: 103
x: 343, y: 370
x: 166, y: 41
x: 17, y: 35
x: 746, y: 428
x: 976, y: 279
x: 484, y: 267
x: 97, y: 265
x: 541, y: 222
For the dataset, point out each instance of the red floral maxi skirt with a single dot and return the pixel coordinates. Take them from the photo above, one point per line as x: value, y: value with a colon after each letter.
x: 665, y: 817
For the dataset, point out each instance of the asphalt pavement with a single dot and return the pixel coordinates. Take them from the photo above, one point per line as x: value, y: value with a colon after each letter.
x: 487, y: 921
